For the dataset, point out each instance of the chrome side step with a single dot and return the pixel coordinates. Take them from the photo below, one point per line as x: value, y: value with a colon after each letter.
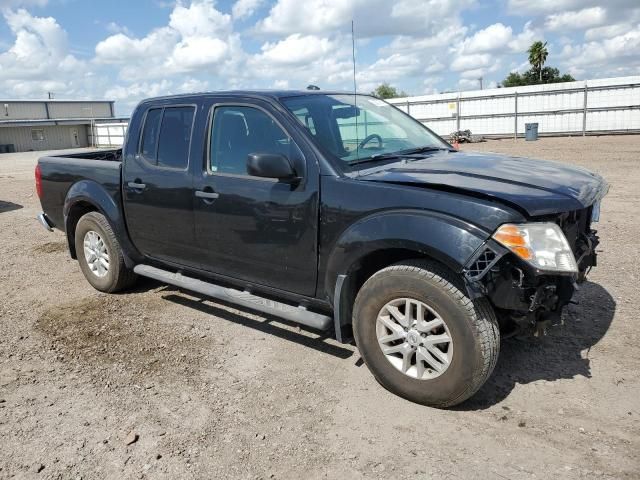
x: 238, y: 297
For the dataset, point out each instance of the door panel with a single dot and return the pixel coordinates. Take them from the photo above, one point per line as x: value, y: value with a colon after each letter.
x: 158, y: 186
x: 75, y: 138
x: 260, y: 230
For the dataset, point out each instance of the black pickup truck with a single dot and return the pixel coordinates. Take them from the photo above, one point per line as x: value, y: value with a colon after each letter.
x: 335, y: 211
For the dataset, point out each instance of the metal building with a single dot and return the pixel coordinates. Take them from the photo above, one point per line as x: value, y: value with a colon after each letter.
x: 27, y: 125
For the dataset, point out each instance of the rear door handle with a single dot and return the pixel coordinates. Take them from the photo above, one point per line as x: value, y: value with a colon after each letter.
x: 207, y: 195
x: 137, y: 186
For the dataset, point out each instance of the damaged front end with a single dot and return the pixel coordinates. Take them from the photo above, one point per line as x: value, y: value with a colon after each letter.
x: 529, y: 293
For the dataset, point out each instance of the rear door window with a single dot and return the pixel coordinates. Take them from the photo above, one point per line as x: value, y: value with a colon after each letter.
x: 166, y: 136
x: 175, y: 137
x: 149, y: 144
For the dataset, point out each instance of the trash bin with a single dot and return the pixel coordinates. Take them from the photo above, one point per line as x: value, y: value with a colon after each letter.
x: 11, y: 148
x: 530, y: 131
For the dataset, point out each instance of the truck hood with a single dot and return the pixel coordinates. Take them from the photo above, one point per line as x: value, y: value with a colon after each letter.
x: 539, y: 187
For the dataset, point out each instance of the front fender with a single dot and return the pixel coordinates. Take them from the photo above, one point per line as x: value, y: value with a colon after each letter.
x: 447, y: 239
x: 89, y: 192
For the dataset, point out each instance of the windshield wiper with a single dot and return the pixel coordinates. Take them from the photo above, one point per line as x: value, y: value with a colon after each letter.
x: 399, y: 154
x: 378, y: 157
x: 425, y: 149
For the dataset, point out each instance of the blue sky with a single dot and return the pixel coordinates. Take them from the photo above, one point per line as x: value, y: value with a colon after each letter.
x: 128, y: 50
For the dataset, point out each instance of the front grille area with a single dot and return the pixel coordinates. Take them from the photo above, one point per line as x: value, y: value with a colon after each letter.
x: 478, y: 268
x: 574, y: 225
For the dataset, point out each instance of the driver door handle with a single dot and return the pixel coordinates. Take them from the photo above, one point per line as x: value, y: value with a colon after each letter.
x: 137, y: 186
x: 207, y: 195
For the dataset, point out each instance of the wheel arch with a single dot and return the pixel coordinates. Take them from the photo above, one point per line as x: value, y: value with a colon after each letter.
x: 89, y: 196
x: 392, y: 238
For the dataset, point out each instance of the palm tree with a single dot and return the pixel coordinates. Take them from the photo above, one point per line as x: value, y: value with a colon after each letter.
x: 538, y: 55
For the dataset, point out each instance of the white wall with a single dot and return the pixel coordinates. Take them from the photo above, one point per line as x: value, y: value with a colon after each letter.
x: 613, y: 104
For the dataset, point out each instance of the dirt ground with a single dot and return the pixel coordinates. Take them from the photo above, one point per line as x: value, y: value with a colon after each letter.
x: 157, y: 383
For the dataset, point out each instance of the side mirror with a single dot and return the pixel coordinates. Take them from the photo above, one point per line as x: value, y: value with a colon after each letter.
x: 270, y: 165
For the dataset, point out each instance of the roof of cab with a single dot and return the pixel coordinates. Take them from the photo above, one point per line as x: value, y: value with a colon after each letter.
x: 270, y: 94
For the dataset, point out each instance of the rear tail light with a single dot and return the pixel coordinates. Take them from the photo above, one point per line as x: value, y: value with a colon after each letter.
x: 38, y: 181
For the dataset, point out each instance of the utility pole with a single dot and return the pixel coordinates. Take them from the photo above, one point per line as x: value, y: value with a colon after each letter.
x: 480, y: 80
x: 50, y: 94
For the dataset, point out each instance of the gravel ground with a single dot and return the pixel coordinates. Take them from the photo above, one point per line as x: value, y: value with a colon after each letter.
x: 157, y: 383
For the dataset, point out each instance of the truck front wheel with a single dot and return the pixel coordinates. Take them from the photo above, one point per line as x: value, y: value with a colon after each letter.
x: 100, y: 255
x: 422, y: 337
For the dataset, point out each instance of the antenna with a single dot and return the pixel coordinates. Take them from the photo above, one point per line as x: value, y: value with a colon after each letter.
x: 353, y: 55
x: 355, y: 91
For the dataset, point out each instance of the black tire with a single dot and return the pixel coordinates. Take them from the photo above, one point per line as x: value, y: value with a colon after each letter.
x: 472, y: 325
x: 118, y: 276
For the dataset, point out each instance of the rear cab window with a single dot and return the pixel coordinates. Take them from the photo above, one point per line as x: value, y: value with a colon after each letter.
x: 166, y: 136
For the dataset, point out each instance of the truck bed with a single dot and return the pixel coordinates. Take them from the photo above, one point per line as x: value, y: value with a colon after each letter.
x: 114, y: 155
x: 88, y: 173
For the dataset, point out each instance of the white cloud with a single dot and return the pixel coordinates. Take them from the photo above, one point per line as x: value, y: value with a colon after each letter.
x: 12, y: 4
x: 114, y: 27
x: 371, y: 17
x: 121, y: 48
x: 296, y: 49
x: 494, y: 37
x: 198, y: 37
x: 416, y: 45
x: 245, y: 8
x: 430, y: 85
x: 39, y: 59
x: 620, y: 54
x: 581, y: 19
x: 287, y: 17
x: 521, y: 42
x: 524, y: 7
x: 469, y: 84
x: 451, y: 32
x: 390, y: 69
x: 608, y: 31
x: 143, y: 89
x: 200, y: 19
x: 470, y: 62
x: 434, y: 66
x: 196, y: 52
x: 193, y: 85
x: 302, y: 59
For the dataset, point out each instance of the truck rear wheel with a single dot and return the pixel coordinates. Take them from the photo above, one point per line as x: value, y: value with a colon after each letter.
x: 422, y: 337
x: 100, y: 255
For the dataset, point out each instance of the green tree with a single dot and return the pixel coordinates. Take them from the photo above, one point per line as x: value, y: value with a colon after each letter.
x: 538, y: 54
x: 537, y: 73
x: 514, y: 79
x: 387, y: 91
x: 531, y: 77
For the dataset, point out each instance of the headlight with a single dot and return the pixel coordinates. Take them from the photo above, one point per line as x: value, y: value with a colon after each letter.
x: 543, y: 245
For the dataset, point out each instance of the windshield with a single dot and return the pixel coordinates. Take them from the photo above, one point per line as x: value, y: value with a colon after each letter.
x: 361, y: 128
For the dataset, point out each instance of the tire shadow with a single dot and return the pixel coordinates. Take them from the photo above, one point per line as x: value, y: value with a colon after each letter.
x: 559, y: 355
x: 9, y: 206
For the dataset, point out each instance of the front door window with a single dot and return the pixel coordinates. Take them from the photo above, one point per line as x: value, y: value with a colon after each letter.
x: 238, y: 131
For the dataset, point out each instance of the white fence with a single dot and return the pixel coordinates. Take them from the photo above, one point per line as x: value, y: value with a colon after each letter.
x: 109, y: 134
x: 585, y: 107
